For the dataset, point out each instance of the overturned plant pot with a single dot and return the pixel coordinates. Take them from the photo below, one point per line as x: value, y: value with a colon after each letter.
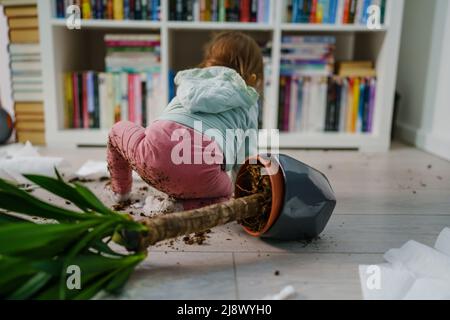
x: 301, y: 198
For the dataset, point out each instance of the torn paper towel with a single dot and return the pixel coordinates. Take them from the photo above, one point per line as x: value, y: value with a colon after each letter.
x: 414, y: 271
x: 93, y: 170
x: 17, y: 160
x: 286, y: 293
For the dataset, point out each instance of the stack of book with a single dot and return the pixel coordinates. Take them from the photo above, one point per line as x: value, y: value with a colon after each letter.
x: 26, y: 72
x: 220, y: 10
x: 132, y: 52
x: 333, y: 11
x: 309, y: 55
x: 313, y: 99
x: 96, y: 100
x: 112, y: 9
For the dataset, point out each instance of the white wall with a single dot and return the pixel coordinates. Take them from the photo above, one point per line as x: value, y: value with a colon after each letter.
x: 424, y: 76
x: 5, y: 83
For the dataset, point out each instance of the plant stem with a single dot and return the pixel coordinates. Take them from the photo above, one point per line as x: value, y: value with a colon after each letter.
x: 199, y: 220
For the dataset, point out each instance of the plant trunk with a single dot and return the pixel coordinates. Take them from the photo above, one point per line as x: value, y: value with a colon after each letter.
x: 199, y: 220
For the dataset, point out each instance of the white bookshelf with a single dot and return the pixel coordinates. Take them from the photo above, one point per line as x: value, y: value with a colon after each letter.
x: 181, y: 46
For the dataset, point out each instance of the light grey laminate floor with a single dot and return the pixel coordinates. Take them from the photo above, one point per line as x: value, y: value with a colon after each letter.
x: 383, y: 200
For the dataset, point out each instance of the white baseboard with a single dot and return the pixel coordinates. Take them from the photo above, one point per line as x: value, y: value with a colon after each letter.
x: 429, y: 142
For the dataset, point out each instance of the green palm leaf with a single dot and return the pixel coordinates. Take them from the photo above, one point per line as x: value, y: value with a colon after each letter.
x: 34, y: 257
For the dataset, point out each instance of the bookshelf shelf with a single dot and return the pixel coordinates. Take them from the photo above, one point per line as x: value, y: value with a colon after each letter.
x: 64, y: 49
x: 110, y: 24
x: 329, y: 140
x: 188, y: 25
x: 329, y: 27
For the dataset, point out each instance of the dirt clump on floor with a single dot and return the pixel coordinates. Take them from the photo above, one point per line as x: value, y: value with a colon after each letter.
x: 122, y: 206
x: 198, y: 238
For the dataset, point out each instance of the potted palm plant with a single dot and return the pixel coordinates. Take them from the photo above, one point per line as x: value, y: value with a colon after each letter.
x: 35, y: 257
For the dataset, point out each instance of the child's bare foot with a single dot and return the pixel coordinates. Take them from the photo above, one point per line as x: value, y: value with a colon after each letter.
x: 116, y: 197
x: 119, y: 198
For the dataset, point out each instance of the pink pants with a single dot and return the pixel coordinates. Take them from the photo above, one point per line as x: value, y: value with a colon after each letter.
x: 148, y: 152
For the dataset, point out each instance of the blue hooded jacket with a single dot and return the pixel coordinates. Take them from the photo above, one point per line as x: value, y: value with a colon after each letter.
x: 221, y: 100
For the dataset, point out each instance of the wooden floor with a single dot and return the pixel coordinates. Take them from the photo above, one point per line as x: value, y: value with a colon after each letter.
x: 383, y: 200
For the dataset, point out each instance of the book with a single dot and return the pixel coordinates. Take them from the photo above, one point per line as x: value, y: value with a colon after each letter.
x: 24, y: 36
x: 33, y: 87
x: 29, y: 117
x: 357, y: 72
x: 106, y: 99
x: 28, y: 96
x: 23, y: 23
x: 24, y: 49
x: 24, y: 66
x: 253, y: 11
x: 20, y: 11
x: 29, y: 108
x: 68, y: 100
x: 356, y: 69
x: 118, y: 13
x: 245, y: 10
x: 30, y: 125
x: 35, y: 137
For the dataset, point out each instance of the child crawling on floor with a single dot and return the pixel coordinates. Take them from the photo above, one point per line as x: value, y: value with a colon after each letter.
x: 222, y: 94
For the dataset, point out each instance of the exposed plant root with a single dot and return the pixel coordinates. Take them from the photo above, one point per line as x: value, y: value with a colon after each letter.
x: 252, y: 182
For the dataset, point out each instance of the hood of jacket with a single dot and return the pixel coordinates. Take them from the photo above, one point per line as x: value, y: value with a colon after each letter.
x: 213, y: 90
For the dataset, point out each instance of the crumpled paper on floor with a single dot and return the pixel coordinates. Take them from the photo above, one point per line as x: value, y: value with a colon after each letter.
x: 18, y: 159
x: 93, y: 170
x: 412, y: 272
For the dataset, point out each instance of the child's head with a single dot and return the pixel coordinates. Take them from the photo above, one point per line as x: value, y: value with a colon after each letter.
x: 237, y: 51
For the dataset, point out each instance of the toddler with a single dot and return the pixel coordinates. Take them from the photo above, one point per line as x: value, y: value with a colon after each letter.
x: 221, y: 94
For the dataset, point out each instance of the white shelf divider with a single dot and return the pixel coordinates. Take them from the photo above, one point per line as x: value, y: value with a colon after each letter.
x: 56, y: 48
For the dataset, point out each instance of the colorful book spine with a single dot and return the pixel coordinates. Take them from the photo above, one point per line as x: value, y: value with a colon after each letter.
x: 261, y: 11
x: 295, y: 11
x: 131, y: 98
x: 373, y: 88
x: 222, y: 11
x: 254, y: 11
x: 69, y: 103
x: 90, y: 100
x: 76, y: 101
x: 361, y: 106
x: 215, y: 10
x: 118, y: 10
x: 138, y: 99
x: 245, y: 10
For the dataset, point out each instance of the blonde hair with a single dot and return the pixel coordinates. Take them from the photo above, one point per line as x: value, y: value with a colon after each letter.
x: 237, y: 51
